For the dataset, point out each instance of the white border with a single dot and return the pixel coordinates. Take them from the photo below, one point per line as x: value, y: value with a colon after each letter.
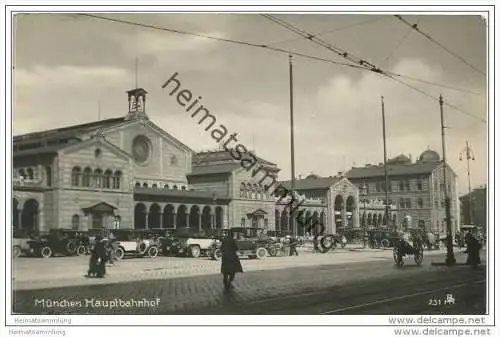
x: 247, y: 320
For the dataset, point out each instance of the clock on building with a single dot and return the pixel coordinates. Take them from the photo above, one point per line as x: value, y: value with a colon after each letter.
x: 141, y: 149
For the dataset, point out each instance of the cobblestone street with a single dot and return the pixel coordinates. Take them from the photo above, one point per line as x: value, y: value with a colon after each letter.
x: 295, y: 280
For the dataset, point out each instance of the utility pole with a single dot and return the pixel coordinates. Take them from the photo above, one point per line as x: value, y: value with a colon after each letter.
x: 469, y: 155
x: 450, y: 257
x: 386, y: 210
x: 292, y: 149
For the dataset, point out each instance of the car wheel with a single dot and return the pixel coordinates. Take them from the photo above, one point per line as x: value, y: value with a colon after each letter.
x: 272, y: 251
x: 142, y: 247
x: 261, y: 253
x: 81, y: 250
x: 46, y: 252
x: 385, y: 243
x: 119, y: 253
x: 16, y: 252
x: 71, y: 247
x: 153, y: 251
x: 194, y: 251
x: 217, y: 254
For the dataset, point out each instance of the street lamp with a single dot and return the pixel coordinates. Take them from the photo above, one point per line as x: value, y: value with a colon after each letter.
x: 364, y: 193
x: 214, y: 200
x: 468, y: 156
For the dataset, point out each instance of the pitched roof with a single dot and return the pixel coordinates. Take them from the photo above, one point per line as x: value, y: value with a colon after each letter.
x: 213, y: 169
x: 312, y: 183
x: 67, y: 132
x: 42, y: 150
x: 392, y: 170
x: 224, y: 156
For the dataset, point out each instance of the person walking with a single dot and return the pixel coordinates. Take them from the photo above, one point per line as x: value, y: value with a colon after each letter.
x: 230, y: 262
x: 293, y: 246
x: 97, y: 264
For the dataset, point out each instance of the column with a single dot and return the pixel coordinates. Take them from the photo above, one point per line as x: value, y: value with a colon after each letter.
x: 146, y: 225
x: 161, y: 219
x: 174, y: 215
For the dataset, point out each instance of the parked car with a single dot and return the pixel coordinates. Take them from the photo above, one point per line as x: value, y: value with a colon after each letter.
x: 20, y: 243
x: 250, y: 244
x: 185, y: 242
x: 56, y: 242
x: 135, y: 242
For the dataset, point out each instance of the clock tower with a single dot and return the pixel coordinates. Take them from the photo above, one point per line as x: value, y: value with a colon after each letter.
x: 137, y: 103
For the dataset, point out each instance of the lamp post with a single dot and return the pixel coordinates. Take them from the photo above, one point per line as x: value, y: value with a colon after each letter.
x: 364, y: 193
x: 469, y: 155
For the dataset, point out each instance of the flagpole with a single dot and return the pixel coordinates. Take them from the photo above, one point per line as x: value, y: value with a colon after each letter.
x: 292, y: 149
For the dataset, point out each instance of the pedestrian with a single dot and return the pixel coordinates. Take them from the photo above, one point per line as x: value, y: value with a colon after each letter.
x: 293, y: 246
x: 230, y: 262
x: 97, y: 263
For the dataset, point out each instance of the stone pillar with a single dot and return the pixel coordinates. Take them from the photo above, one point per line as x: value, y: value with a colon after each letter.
x: 174, y: 215
x: 355, y: 215
x: 146, y: 225
x: 161, y: 220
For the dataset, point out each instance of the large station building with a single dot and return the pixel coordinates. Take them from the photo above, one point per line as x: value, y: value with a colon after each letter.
x: 129, y: 173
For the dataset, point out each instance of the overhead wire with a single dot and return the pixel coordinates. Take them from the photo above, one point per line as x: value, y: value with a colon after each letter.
x: 362, y: 62
x: 359, y: 63
x: 449, y: 51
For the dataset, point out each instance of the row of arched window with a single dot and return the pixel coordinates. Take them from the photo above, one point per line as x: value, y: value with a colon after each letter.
x: 96, y: 178
x: 253, y: 191
x: 166, y: 186
x: 28, y: 174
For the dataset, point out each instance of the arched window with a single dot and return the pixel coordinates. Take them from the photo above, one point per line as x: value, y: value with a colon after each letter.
x: 30, y: 174
x: 98, y: 178
x: 249, y: 190
x: 22, y: 173
x: 175, y: 187
x: 183, y: 188
x: 401, y: 185
x: 154, y: 186
x: 145, y: 185
x: 137, y: 184
x: 75, y: 222
x: 48, y: 175
x: 166, y: 186
x: 107, y: 179
x: 242, y: 189
x: 243, y: 222
x: 402, y: 203
x: 75, y: 176
x: 117, y: 177
x: 420, y: 203
x: 408, y: 203
x: 86, y: 177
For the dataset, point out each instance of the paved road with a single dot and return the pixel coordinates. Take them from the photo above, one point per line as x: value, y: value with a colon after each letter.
x: 375, y: 287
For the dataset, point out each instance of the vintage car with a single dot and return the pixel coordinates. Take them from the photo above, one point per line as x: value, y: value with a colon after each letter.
x: 186, y: 242
x: 20, y: 243
x: 251, y: 243
x: 137, y: 243
x: 57, y: 242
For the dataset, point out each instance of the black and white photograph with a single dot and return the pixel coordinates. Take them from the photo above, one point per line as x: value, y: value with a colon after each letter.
x: 250, y: 166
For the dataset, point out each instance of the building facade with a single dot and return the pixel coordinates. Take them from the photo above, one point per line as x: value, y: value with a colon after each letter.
x: 416, y: 190
x: 129, y: 173
x: 479, y: 210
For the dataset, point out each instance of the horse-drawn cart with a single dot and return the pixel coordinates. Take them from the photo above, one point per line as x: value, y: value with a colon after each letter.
x: 402, y: 249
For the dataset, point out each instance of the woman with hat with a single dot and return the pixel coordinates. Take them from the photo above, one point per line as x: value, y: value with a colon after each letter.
x: 230, y: 261
x: 97, y: 264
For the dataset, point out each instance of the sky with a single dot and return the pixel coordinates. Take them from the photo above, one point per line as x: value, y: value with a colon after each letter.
x: 71, y: 69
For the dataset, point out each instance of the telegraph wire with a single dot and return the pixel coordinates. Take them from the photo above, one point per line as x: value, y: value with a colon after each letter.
x: 333, y: 30
x: 262, y: 46
x: 400, y: 43
x: 449, y: 51
x: 361, y: 64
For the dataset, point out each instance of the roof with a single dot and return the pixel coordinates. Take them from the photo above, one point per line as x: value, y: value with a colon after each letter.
x: 392, y: 170
x: 177, y: 193
x: 40, y: 150
x: 312, y: 183
x: 213, y: 169
x: 68, y: 132
x: 223, y: 156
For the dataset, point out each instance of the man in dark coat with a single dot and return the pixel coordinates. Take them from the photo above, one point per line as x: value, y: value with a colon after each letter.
x: 473, y: 248
x: 97, y: 264
x: 230, y: 261
x: 293, y: 246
